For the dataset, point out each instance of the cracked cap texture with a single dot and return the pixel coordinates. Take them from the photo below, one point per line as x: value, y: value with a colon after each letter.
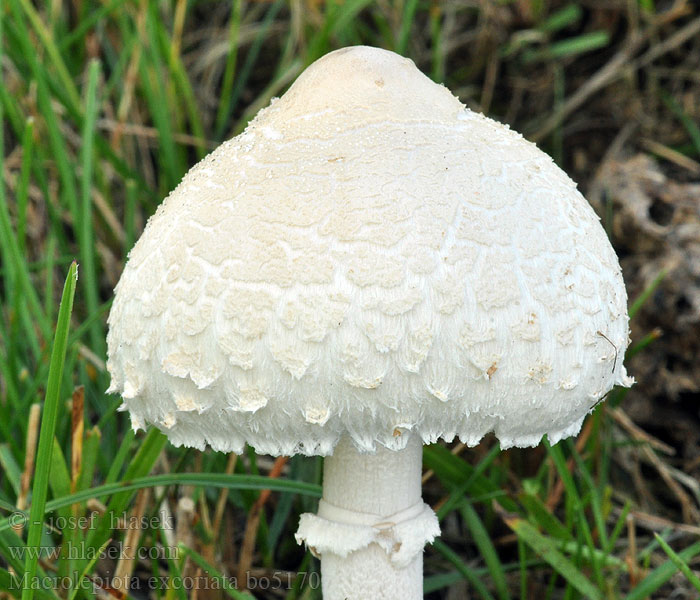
x: 369, y: 258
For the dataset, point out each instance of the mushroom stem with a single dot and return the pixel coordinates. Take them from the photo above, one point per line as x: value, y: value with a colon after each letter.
x: 372, y: 524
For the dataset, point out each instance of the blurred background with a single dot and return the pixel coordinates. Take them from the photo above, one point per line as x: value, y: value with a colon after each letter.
x: 106, y: 104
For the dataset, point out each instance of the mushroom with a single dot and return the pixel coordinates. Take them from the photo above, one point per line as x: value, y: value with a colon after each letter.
x: 368, y: 267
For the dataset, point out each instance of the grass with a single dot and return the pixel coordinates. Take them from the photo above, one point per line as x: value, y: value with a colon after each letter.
x: 48, y: 428
x: 104, y: 106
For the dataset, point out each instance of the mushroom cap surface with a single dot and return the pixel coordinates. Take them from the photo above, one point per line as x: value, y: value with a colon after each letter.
x: 368, y: 258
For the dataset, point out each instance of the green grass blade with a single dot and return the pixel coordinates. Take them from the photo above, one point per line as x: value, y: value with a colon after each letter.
x: 433, y: 583
x: 619, y: 526
x: 252, y: 56
x: 160, y: 110
x: 580, y: 44
x: 215, y: 574
x: 690, y: 125
x: 547, y: 549
x: 60, y: 477
x: 574, y: 500
x: 224, y: 111
x: 466, y: 572
x: 12, y: 546
x: 87, y: 244
x: 216, y: 480
x: 636, y: 348
x: 11, y: 251
x: 661, y: 574
x: 87, y: 22
x: 48, y: 426
x: 130, y: 217
x: 118, y: 461
x: 66, y: 81
x: 488, y: 552
x: 57, y: 143
x: 562, y: 18
x: 645, y: 295
x: 11, y: 584
x: 681, y: 564
x: 175, y: 567
x: 406, y: 23
x: 184, y: 91
x: 77, y: 584
x: 91, y: 450
x: 140, y: 465
x: 594, y: 494
x: 586, y: 42
x: 522, y: 564
x: 542, y: 516
x: 437, y: 70
x: 23, y: 187
x: 10, y: 468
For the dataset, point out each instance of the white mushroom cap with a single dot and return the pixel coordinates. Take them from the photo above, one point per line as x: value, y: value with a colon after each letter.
x: 369, y: 258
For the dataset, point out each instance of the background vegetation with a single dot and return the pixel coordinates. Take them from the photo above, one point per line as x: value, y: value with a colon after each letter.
x: 106, y: 104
